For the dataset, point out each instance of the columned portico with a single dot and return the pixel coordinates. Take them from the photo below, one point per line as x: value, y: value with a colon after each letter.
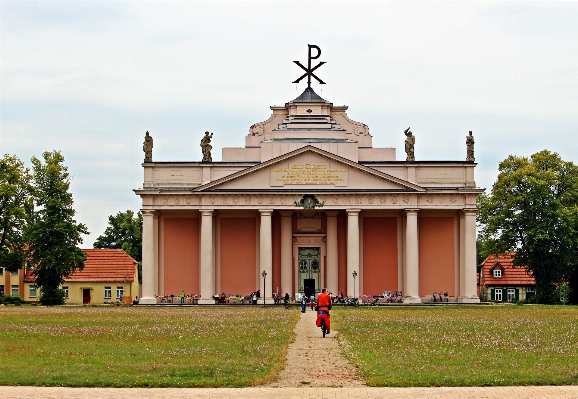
x: 352, y: 252
x: 207, y: 266
x: 411, y: 290
x: 266, y: 252
x: 309, y: 201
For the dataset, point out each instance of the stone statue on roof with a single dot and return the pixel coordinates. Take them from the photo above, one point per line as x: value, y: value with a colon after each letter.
x: 147, y: 147
x: 409, y: 145
x: 206, y: 147
x: 470, y: 147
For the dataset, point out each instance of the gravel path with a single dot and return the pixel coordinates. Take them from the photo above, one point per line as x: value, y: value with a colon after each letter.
x: 314, y: 361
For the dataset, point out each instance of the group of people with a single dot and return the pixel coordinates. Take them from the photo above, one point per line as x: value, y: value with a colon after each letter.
x: 252, y: 298
x: 437, y: 296
x: 181, y: 298
x: 322, y: 306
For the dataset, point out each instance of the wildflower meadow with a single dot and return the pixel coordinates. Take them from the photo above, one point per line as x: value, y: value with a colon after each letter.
x: 461, y: 345
x: 142, y: 346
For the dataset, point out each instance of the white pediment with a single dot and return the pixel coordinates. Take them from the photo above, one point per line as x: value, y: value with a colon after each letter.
x: 310, y: 169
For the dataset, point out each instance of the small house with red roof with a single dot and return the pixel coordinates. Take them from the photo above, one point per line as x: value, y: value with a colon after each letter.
x: 499, y: 280
x: 11, y: 283
x: 109, y: 275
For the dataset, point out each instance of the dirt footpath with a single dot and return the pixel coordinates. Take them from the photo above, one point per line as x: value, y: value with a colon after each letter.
x: 314, y: 361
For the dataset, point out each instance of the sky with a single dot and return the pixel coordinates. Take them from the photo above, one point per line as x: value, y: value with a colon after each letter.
x: 89, y: 78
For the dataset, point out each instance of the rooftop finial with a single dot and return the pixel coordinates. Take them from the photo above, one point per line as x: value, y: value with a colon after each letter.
x: 308, y: 70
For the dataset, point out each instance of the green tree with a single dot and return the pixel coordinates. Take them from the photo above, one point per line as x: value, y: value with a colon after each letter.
x: 532, y: 210
x: 15, y: 207
x: 53, y: 235
x: 124, y: 232
x: 483, y: 249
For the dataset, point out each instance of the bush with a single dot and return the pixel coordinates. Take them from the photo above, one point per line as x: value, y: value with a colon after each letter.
x: 563, y: 292
x: 11, y: 299
x: 51, y: 297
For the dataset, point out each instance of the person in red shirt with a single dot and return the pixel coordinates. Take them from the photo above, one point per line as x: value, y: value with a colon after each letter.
x: 323, y: 307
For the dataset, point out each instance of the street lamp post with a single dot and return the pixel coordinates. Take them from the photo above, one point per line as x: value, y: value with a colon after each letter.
x: 264, y: 275
x: 354, y: 274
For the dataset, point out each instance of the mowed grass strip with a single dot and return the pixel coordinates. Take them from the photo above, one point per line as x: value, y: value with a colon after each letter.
x: 143, y: 346
x: 461, y: 346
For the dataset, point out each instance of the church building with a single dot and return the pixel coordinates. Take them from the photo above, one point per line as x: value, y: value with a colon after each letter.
x: 308, y: 203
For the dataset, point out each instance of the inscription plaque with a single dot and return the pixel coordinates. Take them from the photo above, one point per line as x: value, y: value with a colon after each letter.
x: 310, y: 174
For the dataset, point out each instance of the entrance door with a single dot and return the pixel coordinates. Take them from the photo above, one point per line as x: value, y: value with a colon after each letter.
x: 86, y: 296
x: 309, y: 261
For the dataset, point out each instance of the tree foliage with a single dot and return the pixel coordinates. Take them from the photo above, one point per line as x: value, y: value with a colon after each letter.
x: 53, y: 235
x: 15, y: 207
x: 533, y: 211
x: 124, y: 232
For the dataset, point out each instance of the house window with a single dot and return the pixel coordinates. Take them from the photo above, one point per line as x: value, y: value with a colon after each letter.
x: 107, y: 292
x: 497, y: 273
x: 14, y: 290
x: 32, y: 291
x: 119, y: 292
x: 1, y: 271
x: 511, y: 294
x: 2, y: 290
x: 14, y: 273
x: 530, y: 289
x: 498, y: 294
x: 65, y: 289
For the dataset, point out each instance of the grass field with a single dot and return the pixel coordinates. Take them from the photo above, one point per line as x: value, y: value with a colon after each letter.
x: 130, y: 346
x: 245, y: 346
x: 461, y: 346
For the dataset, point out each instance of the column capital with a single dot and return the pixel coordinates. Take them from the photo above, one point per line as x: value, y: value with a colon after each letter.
x: 411, y: 211
x: 207, y: 212
x: 331, y: 213
x: 266, y: 212
x: 352, y: 212
x: 286, y: 213
x: 468, y: 212
x: 149, y: 212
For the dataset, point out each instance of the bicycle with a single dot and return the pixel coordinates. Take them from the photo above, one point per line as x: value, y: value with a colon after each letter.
x: 322, y: 317
x: 323, y: 327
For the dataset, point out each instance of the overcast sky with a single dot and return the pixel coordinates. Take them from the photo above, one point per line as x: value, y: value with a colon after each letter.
x: 90, y: 78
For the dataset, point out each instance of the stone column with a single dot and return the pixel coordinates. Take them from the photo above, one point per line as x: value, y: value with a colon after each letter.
x: 148, y: 258
x: 266, y: 254
x: 331, y: 271
x: 352, y: 252
x: 469, y: 295
x: 156, y: 249
x: 411, y: 290
x: 286, y: 254
x: 207, y: 269
x: 462, y: 282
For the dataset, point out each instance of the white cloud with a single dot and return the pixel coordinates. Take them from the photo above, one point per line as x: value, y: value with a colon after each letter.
x: 89, y: 78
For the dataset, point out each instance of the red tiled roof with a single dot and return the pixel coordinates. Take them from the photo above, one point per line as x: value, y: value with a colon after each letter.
x: 511, y: 275
x: 113, y: 265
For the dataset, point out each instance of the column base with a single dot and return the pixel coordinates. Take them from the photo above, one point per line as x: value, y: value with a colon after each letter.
x: 468, y: 300
x: 412, y: 299
x: 147, y: 301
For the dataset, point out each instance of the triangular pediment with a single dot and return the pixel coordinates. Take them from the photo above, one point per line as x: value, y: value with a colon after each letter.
x: 309, y: 168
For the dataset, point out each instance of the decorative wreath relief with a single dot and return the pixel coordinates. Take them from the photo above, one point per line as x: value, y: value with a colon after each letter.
x: 309, y: 202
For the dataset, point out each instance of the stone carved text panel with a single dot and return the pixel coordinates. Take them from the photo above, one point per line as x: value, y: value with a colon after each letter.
x: 310, y: 174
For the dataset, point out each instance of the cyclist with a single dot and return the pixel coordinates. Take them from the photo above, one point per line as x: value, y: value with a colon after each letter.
x: 323, y: 307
